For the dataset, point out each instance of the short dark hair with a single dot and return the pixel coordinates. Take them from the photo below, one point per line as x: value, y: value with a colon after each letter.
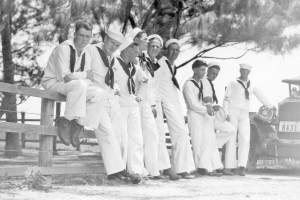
x: 198, y: 63
x: 214, y: 67
x: 84, y: 25
x: 139, y: 35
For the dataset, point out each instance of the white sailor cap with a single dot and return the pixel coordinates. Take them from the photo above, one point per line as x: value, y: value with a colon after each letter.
x: 156, y: 36
x: 114, y: 33
x: 245, y: 66
x: 126, y: 43
x: 171, y: 41
x: 133, y: 33
x: 212, y: 64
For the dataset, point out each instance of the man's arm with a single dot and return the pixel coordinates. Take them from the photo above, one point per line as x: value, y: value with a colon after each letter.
x: 192, y: 99
x: 261, y: 97
x: 227, y: 96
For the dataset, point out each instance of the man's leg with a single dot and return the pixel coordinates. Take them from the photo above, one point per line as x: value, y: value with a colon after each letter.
x: 135, y: 160
x: 109, y: 145
x: 75, y: 92
x: 163, y: 156
x: 123, y: 138
x: 150, y: 138
x: 230, y: 153
x: 183, y: 161
x: 243, y: 139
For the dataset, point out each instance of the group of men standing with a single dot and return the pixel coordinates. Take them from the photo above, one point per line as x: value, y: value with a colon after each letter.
x: 120, y: 89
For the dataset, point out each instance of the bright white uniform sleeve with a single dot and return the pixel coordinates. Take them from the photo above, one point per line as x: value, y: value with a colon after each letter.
x: 227, y: 97
x: 192, y: 99
x: 62, y: 61
x: 261, y: 97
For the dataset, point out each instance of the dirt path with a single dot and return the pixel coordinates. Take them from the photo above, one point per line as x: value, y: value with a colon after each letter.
x: 258, y: 187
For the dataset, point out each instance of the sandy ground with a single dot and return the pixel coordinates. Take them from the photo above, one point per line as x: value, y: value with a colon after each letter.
x: 259, y: 186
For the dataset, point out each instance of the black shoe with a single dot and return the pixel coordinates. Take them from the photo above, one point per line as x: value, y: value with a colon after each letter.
x: 227, y: 172
x: 214, y: 173
x: 158, y: 177
x: 64, y: 130
x: 133, y: 178
x: 241, y: 171
x: 76, y: 131
x: 172, y: 176
x: 186, y: 175
x: 117, y: 176
x: 202, y: 171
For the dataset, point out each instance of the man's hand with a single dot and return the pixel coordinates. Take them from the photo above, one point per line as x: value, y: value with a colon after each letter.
x: 228, y: 118
x: 216, y: 107
x: 90, y: 75
x: 210, y: 110
x: 138, y: 99
x: 69, y: 77
x: 154, y: 111
x: 117, y: 92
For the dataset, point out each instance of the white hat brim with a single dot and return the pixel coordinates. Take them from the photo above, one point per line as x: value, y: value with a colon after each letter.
x: 172, y: 41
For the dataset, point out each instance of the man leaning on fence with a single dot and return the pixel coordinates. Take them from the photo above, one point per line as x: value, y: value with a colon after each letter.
x: 65, y: 73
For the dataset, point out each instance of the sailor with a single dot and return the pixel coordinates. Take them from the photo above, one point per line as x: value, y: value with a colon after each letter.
x: 146, y: 90
x: 132, y: 138
x: 182, y: 156
x: 201, y: 123
x: 224, y: 129
x: 238, y: 95
x: 100, y: 60
x: 65, y: 74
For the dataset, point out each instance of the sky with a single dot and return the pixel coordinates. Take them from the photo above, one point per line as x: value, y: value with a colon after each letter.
x: 268, y: 71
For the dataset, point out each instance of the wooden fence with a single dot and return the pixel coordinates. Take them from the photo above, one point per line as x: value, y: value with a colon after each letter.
x: 46, y: 132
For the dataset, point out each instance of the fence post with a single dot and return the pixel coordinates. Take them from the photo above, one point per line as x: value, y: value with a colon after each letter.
x: 23, y: 136
x: 57, y: 114
x: 46, y: 141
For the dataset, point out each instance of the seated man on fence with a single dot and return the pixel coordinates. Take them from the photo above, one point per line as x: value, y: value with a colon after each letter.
x: 65, y: 74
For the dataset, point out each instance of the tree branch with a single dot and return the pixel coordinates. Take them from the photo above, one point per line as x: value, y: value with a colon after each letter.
x: 228, y: 58
x: 198, y: 55
x: 148, y: 14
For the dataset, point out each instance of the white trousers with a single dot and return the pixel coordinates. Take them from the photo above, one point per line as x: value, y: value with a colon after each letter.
x: 150, y: 139
x: 108, y: 138
x: 224, y: 132
x: 163, y: 155
x: 82, y: 101
x: 92, y: 106
x: 76, y: 97
x: 206, y: 154
x: 240, y: 120
x: 134, y: 158
x: 182, y: 156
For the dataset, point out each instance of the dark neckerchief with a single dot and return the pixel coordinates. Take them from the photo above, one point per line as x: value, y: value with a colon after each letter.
x: 245, y: 88
x: 73, y: 60
x: 109, y: 77
x: 130, y: 74
x: 173, y: 73
x: 200, y: 87
x: 214, y: 96
x: 144, y: 61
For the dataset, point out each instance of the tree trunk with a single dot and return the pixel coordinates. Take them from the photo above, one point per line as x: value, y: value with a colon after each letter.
x: 13, y: 145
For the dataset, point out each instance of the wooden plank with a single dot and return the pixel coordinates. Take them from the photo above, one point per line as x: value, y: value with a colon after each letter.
x: 28, y: 128
x: 16, y: 89
x: 55, y: 170
x: 46, y: 141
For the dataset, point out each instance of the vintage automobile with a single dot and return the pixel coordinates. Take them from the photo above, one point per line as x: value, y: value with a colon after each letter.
x: 277, y: 136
